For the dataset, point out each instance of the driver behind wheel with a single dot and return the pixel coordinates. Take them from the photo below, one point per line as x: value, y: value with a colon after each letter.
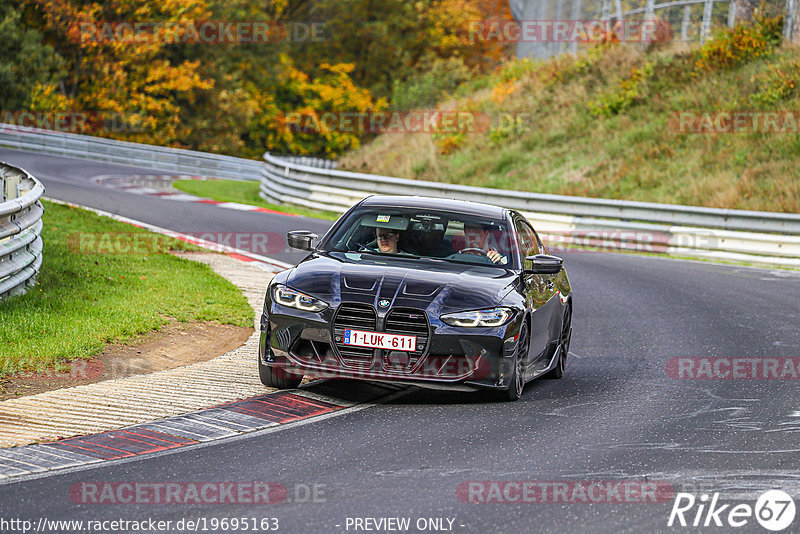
x: 477, y: 237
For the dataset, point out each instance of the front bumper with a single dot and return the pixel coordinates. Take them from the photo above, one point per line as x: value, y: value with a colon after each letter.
x: 453, y: 357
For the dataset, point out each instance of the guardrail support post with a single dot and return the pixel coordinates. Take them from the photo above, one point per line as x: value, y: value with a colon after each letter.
x: 687, y: 14
x: 789, y: 20
x: 576, y: 16
x: 732, y: 13
x: 11, y: 187
x: 649, y: 18
x: 705, y: 28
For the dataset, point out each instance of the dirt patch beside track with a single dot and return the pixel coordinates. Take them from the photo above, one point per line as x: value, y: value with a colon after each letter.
x: 175, y: 345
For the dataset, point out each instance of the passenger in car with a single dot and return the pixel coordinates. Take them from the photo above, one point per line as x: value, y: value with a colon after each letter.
x: 431, y: 242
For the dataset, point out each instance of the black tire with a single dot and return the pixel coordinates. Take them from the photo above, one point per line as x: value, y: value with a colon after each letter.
x: 563, y: 346
x: 517, y: 382
x: 277, y: 377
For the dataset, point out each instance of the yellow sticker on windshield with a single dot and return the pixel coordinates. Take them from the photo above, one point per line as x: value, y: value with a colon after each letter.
x: 382, y: 218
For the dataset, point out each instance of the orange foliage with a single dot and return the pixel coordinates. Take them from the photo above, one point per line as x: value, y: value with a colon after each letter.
x: 127, y: 78
x: 448, y: 25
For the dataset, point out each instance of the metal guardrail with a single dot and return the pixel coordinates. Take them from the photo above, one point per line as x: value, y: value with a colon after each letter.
x: 312, y: 182
x: 736, y: 235
x: 137, y: 154
x: 20, y: 229
x: 308, y: 161
x: 290, y: 183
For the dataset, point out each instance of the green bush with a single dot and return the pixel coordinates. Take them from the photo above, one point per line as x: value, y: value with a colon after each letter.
x: 779, y: 83
x: 425, y: 90
x: 629, y: 91
x: 729, y: 48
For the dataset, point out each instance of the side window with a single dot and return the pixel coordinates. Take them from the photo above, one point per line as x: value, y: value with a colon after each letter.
x: 528, y: 243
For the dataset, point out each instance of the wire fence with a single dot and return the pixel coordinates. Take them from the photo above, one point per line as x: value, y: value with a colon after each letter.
x: 684, y: 20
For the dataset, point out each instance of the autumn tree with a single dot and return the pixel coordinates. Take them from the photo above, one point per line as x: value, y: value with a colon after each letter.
x: 235, y: 98
x: 115, y: 76
x: 26, y: 61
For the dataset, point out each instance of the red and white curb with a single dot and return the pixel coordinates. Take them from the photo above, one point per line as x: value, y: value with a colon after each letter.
x: 261, y: 413
x: 314, y: 400
x: 161, y: 186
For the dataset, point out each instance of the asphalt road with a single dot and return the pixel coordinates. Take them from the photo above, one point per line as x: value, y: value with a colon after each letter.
x: 71, y: 180
x: 617, y: 415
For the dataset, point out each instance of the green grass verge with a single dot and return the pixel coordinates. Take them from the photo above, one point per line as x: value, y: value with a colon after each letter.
x: 86, y: 298
x: 243, y: 193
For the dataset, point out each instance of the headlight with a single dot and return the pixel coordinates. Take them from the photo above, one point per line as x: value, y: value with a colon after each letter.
x: 287, y: 296
x: 493, y: 317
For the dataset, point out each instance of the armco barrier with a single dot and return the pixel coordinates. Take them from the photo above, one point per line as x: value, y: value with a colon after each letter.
x: 734, y: 235
x: 20, y: 229
x: 136, y: 154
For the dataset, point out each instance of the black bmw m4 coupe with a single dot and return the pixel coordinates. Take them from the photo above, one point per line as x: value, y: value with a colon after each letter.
x: 424, y: 291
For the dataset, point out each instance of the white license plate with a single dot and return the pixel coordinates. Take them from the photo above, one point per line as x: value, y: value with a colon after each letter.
x: 378, y: 340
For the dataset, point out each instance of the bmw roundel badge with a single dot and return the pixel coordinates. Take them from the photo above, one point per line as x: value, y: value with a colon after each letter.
x: 383, y: 303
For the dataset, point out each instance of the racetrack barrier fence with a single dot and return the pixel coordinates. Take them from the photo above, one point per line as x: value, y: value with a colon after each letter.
x: 20, y: 230
x: 565, y: 221
x: 769, y: 238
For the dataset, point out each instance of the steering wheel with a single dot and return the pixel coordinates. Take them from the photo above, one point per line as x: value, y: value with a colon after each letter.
x: 366, y: 247
x: 473, y: 250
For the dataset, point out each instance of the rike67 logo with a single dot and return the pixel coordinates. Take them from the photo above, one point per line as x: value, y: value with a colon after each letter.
x: 774, y: 510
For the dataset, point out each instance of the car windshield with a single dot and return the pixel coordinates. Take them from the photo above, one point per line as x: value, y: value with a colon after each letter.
x: 453, y: 237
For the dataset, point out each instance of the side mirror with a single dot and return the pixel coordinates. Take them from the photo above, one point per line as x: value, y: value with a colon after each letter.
x: 543, y: 264
x: 301, y: 239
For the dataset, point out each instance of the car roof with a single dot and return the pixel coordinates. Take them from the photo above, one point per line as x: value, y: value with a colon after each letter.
x: 445, y: 204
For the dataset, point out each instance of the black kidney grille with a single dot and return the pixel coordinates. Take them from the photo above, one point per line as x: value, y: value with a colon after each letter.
x: 409, y: 322
x: 359, y: 316
x: 356, y: 317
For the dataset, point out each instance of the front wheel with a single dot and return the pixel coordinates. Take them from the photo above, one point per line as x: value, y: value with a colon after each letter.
x: 563, y: 346
x: 277, y: 377
x: 517, y: 379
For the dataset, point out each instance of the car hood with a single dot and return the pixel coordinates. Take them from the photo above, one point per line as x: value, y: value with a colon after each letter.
x: 438, y: 287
